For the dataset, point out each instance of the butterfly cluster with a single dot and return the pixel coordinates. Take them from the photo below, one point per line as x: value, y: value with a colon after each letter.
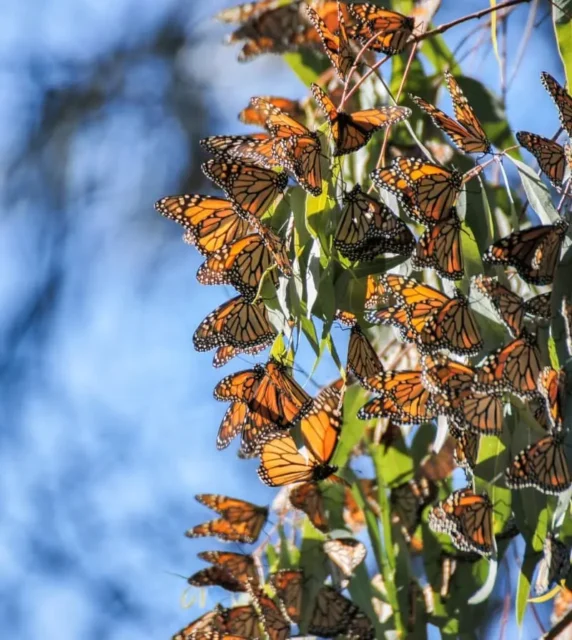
x: 451, y: 379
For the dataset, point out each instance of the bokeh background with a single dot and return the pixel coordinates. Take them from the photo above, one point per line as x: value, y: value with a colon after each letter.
x: 107, y: 426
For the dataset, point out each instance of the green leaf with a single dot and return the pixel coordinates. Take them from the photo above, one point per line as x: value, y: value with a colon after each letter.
x: 352, y: 428
x: 307, y: 65
x: 313, y: 564
x: 561, y: 12
x: 537, y: 193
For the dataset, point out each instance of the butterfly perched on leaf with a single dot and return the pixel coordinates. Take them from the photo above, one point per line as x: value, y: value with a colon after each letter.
x: 362, y: 360
x: 336, y: 44
x: 403, y: 397
x: 281, y: 462
x: 268, y: 398
x: 346, y: 554
x: 236, y: 323
x: 514, y: 368
x: 430, y: 318
x: 426, y: 190
x: 550, y: 155
x: 295, y: 147
x: 466, y: 447
x: 275, y: 624
x: 407, y: 502
x: 307, y: 497
x: 551, y: 385
x: 251, y: 188
x: 288, y: 584
x: 240, y: 521
x: 542, y: 465
x: 561, y: 98
x: 216, y: 577
x: 554, y: 565
x: 466, y: 131
x: 241, y: 264
x: 334, y: 614
x: 255, y: 147
x: 211, y: 223
x: 254, y: 115
x: 534, y: 252
x: 241, y: 568
x: 510, y: 307
x: 393, y: 29
x: 368, y: 228
x: 352, y: 131
x: 439, y: 248
x: 451, y: 384
x: 467, y: 518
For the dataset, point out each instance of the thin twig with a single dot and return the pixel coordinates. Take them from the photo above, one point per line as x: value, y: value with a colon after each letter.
x: 559, y: 627
x: 472, y: 16
x: 524, y: 41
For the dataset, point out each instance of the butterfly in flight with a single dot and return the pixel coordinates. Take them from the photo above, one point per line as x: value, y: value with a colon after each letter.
x: 466, y: 131
x: 534, y: 252
x: 346, y: 554
x: 240, y: 521
x: 352, y: 131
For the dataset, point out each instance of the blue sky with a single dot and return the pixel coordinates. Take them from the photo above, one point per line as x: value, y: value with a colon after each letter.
x: 108, y: 426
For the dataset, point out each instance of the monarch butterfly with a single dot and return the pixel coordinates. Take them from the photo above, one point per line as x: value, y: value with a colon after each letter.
x: 288, y: 586
x: 554, y: 565
x: 216, y: 577
x: 252, y: 189
x: 407, y: 502
x: 451, y: 384
x: 346, y: 554
x: 404, y: 398
x: 562, y: 100
x: 241, y: 622
x: 334, y: 614
x: 211, y: 222
x: 375, y: 292
x: 368, y: 228
x: 347, y: 318
x: 274, y: 623
x: 280, y: 461
x: 513, y: 368
x: 451, y: 327
x: 209, y: 623
x: 426, y: 190
x: 549, y: 154
x: 256, y: 148
x: 240, y: 264
x: 539, y: 306
x: 362, y: 361
x: 551, y: 384
x: 468, y: 518
x: 254, y: 115
x: 393, y: 28
x: 534, y: 253
x: 295, y: 147
x: 236, y: 323
x: 541, y: 465
x: 336, y: 45
x: 439, y: 248
x: 466, y: 131
x: 273, y: 399
x: 240, y: 566
x: 352, y: 131
x: 241, y: 521
x: 308, y: 498
x: 439, y: 465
